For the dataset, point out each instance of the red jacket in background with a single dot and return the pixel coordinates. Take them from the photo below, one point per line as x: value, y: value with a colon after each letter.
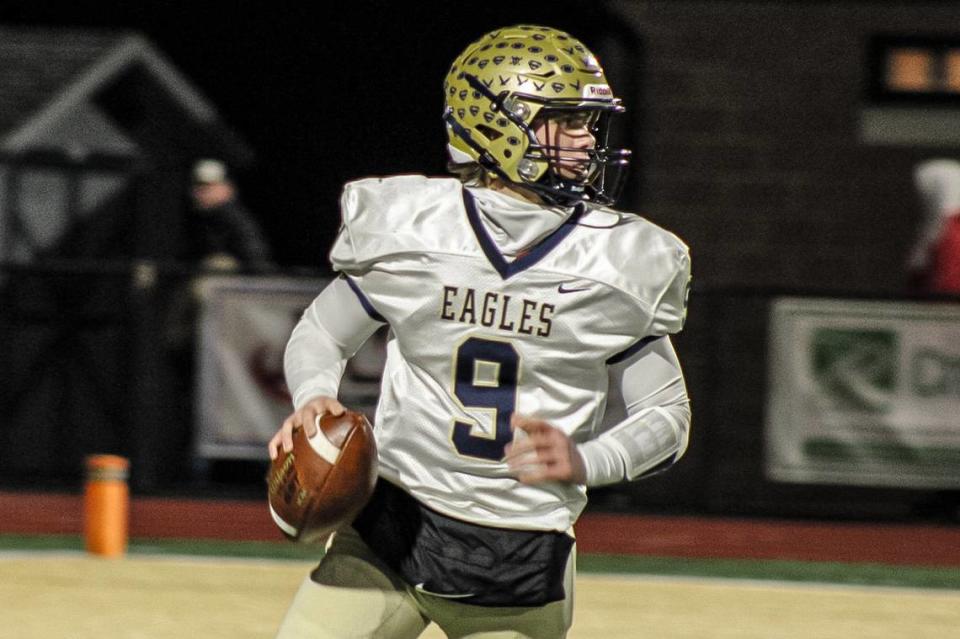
x: 944, y: 273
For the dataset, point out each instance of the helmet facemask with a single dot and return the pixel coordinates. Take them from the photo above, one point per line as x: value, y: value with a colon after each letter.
x: 568, y: 174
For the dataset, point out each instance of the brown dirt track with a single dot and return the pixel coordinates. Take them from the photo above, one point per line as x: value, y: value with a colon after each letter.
x: 919, y: 545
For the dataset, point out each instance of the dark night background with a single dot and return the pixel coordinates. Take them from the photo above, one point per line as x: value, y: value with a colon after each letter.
x: 324, y: 93
x: 746, y: 119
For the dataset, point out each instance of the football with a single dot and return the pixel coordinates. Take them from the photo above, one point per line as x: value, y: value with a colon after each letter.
x: 325, y: 480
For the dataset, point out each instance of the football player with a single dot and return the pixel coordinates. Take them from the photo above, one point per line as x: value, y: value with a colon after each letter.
x: 511, y: 292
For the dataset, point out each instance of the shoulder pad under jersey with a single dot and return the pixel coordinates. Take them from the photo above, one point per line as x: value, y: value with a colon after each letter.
x: 641, y: 259
x: 386, y: 216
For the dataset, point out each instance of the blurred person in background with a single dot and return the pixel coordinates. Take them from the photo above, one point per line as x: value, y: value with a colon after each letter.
x: 511, y: 292
x: 224, y: 233
x: 223, y: 238
x: 934, y: 262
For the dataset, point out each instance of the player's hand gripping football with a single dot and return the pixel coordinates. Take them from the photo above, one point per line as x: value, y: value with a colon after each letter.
x: 545, y: 454
x: 305, y: 417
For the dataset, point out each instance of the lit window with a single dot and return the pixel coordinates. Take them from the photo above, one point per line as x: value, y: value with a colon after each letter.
x: 910, y: 69
x: 915, y: 68
x: 951, y: 70
x: 912, y: 91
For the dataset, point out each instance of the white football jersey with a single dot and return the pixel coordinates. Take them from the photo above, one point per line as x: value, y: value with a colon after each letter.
x: 475, y: 337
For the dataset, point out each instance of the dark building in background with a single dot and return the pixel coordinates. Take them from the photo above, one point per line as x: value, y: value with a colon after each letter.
x: 98, y: 132
x: 758, y: 133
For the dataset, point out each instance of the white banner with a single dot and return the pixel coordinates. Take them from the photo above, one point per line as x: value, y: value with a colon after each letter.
x: 864, y: 392
x: 241, y: 396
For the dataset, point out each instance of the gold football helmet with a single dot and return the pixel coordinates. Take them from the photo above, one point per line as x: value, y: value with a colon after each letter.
x: 508, y: 81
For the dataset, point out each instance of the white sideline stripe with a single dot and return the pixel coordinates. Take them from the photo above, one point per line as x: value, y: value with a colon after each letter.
x: 284, y: 526
x: 322, y: 445
x: 41, y: 553
x: 140, y: 555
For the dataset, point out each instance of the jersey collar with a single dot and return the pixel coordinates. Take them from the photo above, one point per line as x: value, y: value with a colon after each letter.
x: 526, y: 260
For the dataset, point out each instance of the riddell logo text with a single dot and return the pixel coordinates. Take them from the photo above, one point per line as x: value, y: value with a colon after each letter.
x: 597, y: 91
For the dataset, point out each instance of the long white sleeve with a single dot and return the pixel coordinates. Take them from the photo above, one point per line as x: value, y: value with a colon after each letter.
x: 331, y: 330
x: 656, y: 430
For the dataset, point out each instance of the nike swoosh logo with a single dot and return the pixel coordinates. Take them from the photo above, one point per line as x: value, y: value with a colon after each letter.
x: 419, y: 588
x: 562, y: 289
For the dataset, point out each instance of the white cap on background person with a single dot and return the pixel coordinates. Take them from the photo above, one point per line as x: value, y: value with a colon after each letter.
x: 938, y: 184
x: 208, y: 171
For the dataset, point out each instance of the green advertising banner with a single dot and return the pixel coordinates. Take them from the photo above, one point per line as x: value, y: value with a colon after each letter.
x: 864, y: 392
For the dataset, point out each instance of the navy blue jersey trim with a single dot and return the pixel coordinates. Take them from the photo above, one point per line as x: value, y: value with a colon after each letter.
x: 364, y: 302
x: 507, y: 269
x: 633, y: 350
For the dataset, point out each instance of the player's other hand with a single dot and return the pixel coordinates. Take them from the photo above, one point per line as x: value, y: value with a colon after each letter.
x: 545, y: 454
x: 305, y: 417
